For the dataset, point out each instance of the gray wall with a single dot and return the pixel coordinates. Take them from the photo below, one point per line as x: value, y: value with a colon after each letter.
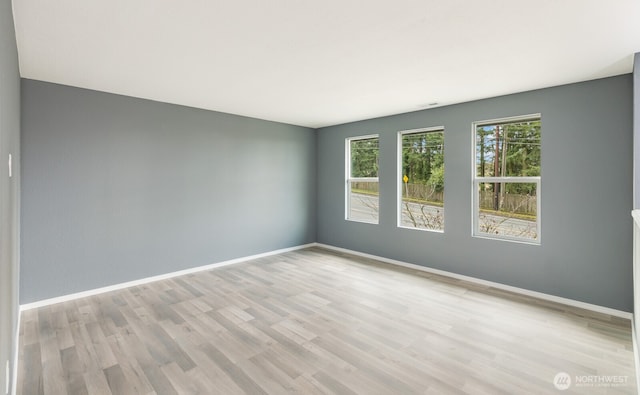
x: 9, y: 190
x: 117, y: 189
x: 586, y: 238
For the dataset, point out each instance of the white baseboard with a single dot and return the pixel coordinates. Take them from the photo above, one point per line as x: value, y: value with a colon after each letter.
x: 521, y: 291
x: 115, y: 287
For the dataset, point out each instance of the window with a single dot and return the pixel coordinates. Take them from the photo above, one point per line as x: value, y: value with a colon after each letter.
x: 506, y: 202
x: 363, y: 198
x: 421, y: 179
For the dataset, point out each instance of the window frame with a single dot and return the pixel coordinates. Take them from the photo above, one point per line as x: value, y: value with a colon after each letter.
x: 350, y: 179
x: 476, y: 181
x: 402, y: 133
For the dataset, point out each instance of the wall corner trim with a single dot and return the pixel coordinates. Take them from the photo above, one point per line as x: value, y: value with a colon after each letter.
x: 636, y: 292
x: 115, y: 287
x: 16, y: 351
x: 636, y: 356
x: 504, y: 287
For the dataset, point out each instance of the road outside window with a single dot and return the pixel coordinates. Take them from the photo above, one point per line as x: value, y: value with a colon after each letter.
x: 362, y: 187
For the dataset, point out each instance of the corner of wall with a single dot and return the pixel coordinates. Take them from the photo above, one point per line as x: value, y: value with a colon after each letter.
x: 316, y: 197
x: 636, y: 131
x: 10, y: 126
x: 636, y: 212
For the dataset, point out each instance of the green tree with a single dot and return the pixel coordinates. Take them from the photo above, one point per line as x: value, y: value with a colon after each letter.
x: 364, y: 158
x: 511, y: 149
x: 422, y: 156
x: 508, y: 150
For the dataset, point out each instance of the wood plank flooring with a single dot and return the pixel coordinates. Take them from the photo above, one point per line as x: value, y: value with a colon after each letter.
x: 318, y: 322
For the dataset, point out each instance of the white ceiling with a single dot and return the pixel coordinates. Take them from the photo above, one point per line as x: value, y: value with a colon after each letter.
x: 318, y: 63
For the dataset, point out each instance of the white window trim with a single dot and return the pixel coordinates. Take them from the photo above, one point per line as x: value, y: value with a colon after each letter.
x: 400, y: 175
x: 475, y: 208
x: 349, y: 180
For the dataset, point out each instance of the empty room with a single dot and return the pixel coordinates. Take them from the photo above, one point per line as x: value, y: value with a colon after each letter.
x: 338, y: 197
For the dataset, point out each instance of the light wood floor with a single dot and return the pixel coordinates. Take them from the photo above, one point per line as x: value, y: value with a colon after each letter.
x: 317, y: 322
